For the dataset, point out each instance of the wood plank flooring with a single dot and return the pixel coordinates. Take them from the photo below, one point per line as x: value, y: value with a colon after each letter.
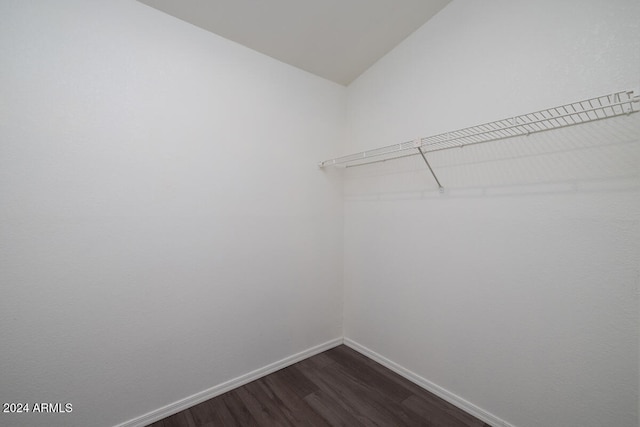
x: 339, y: 387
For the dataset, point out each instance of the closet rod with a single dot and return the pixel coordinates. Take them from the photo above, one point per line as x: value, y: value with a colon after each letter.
x: 589, y: 110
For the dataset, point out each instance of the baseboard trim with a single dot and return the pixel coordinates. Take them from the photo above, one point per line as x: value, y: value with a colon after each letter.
x: 187, y: 402
x: 441, y: 392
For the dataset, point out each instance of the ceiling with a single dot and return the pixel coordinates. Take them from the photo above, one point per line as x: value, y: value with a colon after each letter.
x: 334, y: 39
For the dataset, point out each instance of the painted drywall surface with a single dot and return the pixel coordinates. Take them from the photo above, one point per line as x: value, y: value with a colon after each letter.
x: 517, y: 289
x: 164, y: 226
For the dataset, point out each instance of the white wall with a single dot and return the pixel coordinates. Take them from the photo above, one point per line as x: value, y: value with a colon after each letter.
x: 163, y: 223
x: 517, y: 290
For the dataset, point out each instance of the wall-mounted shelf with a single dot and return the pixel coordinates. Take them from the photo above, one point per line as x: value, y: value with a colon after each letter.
x: 575, y: 113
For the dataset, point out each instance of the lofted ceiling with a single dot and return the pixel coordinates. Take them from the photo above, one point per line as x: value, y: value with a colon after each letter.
x: 334, y: 39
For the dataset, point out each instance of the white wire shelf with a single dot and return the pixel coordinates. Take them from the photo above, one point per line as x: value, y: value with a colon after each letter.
x: 575, y: 113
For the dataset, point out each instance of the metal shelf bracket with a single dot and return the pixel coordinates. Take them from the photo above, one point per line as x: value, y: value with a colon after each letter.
x: 417, y: 143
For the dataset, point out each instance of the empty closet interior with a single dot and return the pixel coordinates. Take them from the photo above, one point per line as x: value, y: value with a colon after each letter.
x: 181, y: 214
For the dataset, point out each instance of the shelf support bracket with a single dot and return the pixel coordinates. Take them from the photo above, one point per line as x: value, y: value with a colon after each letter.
x: 440, y: 187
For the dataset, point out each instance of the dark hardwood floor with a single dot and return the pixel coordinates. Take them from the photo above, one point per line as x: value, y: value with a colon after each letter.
x: 339, y: 387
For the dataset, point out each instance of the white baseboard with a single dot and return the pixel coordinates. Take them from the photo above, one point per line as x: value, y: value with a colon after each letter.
x: 187, y: 402
x: 454, y: 399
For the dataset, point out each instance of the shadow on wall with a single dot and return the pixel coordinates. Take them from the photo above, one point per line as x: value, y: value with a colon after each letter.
x: 592, y: 157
